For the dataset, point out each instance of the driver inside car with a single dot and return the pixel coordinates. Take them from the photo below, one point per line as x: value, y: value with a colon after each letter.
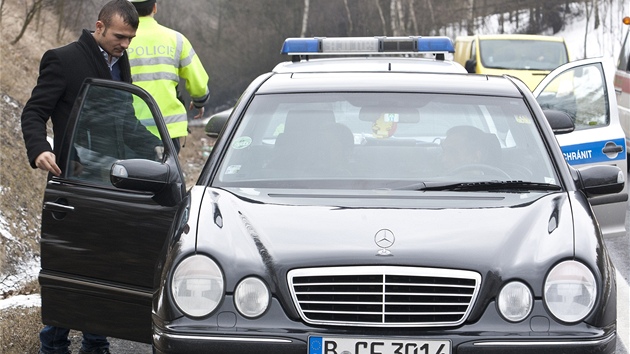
x: 466, y: 146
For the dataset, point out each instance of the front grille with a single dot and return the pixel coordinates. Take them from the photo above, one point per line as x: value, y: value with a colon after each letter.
x: 384, y: 296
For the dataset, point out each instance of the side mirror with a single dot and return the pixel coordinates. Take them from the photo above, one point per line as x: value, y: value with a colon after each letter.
x: 561, y: 122
x: 600, y: 179
x: 217, y: 122
x: 147, y: 176
x: 470, y: 65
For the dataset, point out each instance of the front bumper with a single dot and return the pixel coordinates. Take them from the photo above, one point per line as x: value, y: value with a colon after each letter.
x: 168, y: 343
x: 279, y: 335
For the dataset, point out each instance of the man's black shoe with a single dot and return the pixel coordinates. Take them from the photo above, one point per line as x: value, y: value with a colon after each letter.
x: 95, y: 351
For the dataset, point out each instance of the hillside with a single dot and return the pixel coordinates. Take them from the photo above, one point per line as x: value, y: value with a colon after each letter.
x: 21, y: 187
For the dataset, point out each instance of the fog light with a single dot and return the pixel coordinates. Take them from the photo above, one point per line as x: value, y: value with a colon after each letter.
x: 515, y: 301
x: 251, y: 297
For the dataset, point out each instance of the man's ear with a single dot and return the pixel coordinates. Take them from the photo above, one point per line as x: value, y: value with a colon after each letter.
x: 99, y: 27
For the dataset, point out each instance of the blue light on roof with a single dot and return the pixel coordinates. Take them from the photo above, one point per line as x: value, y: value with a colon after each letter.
x: 300, y: 45
x: 435, y: 44
x: 367, y: 45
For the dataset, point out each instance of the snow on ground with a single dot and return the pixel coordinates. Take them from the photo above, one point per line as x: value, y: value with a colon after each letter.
x: 20, y: 301
x: 13, y: 282
x: 10, y: 283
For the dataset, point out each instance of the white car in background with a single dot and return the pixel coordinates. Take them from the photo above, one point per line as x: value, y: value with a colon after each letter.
x: 581, y: 89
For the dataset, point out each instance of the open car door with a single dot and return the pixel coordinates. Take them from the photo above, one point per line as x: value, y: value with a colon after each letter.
x: 99, y: 242
x: 585, y: 91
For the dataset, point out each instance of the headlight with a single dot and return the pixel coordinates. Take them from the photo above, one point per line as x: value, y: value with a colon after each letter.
x: 570, y: 291
x: 515, y: 301
x: 197, y: 286
x: 251, y: 297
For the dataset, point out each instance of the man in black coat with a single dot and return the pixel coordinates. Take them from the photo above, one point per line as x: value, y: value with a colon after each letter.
x: 98, y: 54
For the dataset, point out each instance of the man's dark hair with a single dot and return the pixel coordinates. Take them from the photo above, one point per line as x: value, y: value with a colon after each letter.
x: 144, y: 8
x: 119, y: 7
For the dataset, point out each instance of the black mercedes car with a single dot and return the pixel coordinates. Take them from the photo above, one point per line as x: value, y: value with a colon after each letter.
x: 375, y: 204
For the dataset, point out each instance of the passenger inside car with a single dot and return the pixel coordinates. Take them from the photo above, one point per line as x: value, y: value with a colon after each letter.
x: 312, y: 143
x: 335, y: 150
x: 469, y: 149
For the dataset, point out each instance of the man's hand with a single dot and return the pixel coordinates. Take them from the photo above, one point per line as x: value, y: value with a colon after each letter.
x: 200, y: 114
x: 46, y: 161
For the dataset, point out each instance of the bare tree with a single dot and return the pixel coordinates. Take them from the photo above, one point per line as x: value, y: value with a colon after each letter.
x: 412, y: 17
x: 381, y: 16
x: 431, y: 13
x: 395, y: 13
x: 305, y: 18
x: 587, y: 17
x: 1, y: 10
x: 30, y: 14
x: 349, y: 15
x: 60, y: 10
x: 76, y: 18
x: 596, y: 15
x: 471, y: 18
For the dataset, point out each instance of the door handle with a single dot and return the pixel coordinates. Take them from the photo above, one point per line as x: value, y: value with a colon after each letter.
x: 52, y: 206
x: 612, y: 148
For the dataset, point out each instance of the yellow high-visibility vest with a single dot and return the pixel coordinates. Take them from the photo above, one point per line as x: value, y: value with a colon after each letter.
x: 159, y: 57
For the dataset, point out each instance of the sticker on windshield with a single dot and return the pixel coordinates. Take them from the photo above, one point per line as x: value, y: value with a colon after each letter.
x: 523, y: 119
x: 385, y: 125
x: 232, y: 169
x: 242, y: 142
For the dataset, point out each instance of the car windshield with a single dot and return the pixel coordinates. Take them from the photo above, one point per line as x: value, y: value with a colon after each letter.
x: 383, y: 140
x: 522, y: 54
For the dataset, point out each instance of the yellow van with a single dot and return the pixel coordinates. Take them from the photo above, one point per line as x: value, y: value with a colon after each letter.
x: 527, y: 57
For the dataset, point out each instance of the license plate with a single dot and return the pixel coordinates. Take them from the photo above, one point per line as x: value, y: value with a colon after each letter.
x: 336, y: 345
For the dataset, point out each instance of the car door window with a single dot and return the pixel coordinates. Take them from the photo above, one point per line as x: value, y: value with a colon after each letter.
x: 580, y: 92
x: 624, y: 55
x: 108, y: 130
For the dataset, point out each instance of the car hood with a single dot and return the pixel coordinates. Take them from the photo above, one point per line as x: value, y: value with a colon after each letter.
x: 511, y: 235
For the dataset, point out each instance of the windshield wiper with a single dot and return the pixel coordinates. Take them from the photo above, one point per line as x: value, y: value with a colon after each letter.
x: 510, y: 186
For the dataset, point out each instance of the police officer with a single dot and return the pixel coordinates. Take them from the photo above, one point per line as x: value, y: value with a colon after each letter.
x: 159, y: 58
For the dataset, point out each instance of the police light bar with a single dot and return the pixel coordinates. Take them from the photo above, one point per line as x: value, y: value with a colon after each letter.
x: 366, y: 45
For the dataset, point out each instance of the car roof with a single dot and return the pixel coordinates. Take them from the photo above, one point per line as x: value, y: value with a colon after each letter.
x: 383, y: 81
x: 536, y: 37
x: 371, y: 64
